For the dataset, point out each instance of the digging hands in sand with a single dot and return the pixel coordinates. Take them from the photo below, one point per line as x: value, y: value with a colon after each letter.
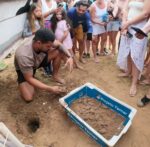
x: 58, y: 90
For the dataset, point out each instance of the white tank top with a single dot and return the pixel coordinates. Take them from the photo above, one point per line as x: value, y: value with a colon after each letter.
x: 45, y: 8
x: 100, y: 12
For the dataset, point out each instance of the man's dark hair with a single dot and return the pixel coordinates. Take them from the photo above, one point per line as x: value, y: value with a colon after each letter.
x: 83, y: 3
x: 44, y: 35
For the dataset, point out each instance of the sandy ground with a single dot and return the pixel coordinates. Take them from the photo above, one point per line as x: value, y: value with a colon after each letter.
x: 105, y: 121
x: 56, y: 129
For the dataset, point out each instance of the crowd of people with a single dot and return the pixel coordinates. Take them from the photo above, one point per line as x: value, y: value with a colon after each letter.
x: 57, y: 29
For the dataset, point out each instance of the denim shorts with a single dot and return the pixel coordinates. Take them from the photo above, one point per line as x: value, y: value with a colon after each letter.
x: 113, y: 26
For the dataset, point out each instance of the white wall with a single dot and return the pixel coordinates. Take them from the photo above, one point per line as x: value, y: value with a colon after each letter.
x: 10, y: 31
x: 8, y: 8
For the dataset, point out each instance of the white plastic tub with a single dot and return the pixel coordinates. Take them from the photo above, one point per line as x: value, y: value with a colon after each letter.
x: 114, y: 104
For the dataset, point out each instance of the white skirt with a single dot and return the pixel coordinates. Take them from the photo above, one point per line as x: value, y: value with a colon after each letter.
x: 98, y: 29
x: 133, y: 46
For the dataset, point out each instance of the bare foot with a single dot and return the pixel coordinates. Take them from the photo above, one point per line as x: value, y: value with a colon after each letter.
x: 145, y: 82
x: 82, y: 61
x: 59, y: 80
x: 123, y: 75
x: 79, y: 67
x: 111, y: 55
x: 133, y: 90
x: 96, y: 60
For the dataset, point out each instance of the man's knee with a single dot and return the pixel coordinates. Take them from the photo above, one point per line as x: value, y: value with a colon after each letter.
x: 95, y: 40
x: 27, y: 98
x: 26, y: 91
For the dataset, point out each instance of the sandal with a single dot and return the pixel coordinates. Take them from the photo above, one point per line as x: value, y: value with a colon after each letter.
x: 144, y: 101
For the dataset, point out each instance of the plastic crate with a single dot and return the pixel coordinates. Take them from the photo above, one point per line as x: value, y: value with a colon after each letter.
x: 114, y: 104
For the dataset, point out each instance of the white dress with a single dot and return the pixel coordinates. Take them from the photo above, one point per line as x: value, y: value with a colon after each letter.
x: 133, y: 46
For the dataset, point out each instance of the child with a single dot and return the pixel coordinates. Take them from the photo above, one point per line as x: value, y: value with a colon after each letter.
x: 60, y: 26
x: 34, y: 21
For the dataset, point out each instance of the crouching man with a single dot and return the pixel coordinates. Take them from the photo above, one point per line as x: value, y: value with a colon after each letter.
x: 39, y: 52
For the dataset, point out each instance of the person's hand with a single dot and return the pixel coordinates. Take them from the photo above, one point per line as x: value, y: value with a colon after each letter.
x: 103, y: 24
x: 125, y: 25
x: 55, y: 10
x: 60, y: 8
x: 69, y: 64
x: 33, y: 31
x: 57, y: 89
x: 139, y: 36
x: 123, y: 32
x: 110, y: 17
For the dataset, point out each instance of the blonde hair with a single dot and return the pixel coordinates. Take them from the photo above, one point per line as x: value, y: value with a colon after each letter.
x: 31, y: 17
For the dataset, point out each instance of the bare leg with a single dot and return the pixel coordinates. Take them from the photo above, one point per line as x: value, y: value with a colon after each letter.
x: 109, y: 34
x: 56, y: 57
x: 75, y: 45
x: 88, y: 45
x: 81, y: 49
x: 147, y: 60
x: 129, y: 70
x: 26, y: 91
x: 146, y: 75
x: 94, y: 46
x: 74, y: 60
x: 113, y: 41
x: 103, y: 42
x: 135, y: 76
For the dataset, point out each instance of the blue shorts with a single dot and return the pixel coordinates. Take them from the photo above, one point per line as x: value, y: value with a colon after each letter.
x: 113, y: 25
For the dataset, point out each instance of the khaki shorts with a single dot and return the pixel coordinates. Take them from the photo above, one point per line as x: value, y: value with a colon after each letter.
x: 78, y: 33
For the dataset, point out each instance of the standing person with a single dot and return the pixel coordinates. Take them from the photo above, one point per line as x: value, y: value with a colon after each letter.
x: 132, y: 50
x: 98, y: 10
x: 81, y: 23
x: 143, y: 15
x: 48, y: 5
x: 113, y: 27
x: 61, y: 27
x: 35, y: 54
x: 141, y: 34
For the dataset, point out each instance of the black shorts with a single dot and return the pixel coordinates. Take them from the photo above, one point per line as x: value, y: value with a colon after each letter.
x: 21, y: 78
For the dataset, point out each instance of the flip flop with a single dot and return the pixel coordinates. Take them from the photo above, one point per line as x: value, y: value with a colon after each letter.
x: 139, y: 31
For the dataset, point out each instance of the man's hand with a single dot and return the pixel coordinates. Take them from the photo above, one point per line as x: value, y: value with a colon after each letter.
x: 57, y: 89
x: 69, y: 64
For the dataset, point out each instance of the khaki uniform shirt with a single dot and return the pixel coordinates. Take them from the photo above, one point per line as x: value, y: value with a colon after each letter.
x: 26, y: 59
